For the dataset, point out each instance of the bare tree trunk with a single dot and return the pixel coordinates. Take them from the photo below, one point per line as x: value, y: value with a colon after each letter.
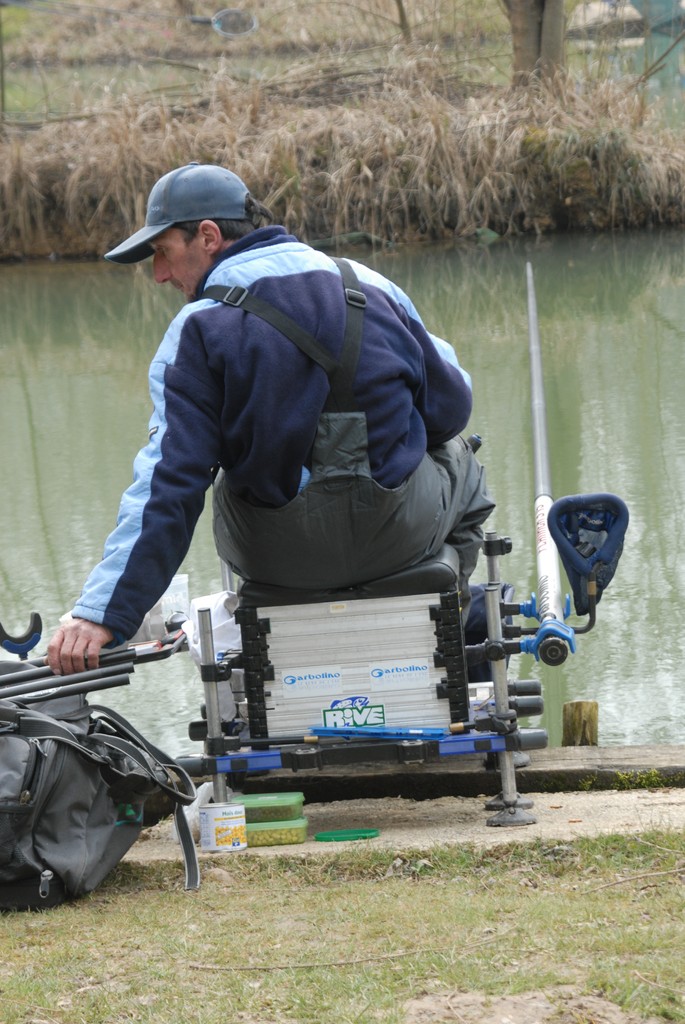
x: 2, y: 76
x: 537, y: 32
x: 552, y: 38
x: 184, y: 8
x: 404, y: 21
x: 526, y: 22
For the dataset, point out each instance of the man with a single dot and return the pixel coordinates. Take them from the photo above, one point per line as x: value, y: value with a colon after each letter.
x: 312, y: 389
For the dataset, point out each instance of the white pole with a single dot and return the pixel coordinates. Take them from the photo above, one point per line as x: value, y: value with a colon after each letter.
x: 549, y: 598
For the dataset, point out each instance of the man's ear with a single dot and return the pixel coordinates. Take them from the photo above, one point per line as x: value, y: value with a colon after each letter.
x: 210, y: 237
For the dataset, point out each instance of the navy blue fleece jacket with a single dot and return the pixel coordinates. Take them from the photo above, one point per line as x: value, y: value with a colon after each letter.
x: 229, y: 390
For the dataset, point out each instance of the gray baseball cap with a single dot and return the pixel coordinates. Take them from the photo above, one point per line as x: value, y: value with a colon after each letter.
x: 194, y: 192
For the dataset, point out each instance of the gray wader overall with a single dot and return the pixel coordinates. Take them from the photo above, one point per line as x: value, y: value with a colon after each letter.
x: 343, y: 528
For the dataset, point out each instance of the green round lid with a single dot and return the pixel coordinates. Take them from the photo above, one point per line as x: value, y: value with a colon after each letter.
x: 345, y: 834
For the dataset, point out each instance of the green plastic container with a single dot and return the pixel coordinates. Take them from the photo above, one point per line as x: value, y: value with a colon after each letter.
x: 277, y: 833
x: 271, y: 806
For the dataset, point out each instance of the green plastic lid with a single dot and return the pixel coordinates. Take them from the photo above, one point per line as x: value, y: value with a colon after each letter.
x: 269, y: 799
x: 342, y: 835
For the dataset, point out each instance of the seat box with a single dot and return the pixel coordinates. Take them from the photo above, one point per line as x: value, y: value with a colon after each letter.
x: 377, y: 662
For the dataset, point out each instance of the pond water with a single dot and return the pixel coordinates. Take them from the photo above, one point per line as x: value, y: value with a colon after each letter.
x: 76, y: 340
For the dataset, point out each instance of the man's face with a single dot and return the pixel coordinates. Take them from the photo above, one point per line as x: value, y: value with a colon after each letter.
x: 181, y: 262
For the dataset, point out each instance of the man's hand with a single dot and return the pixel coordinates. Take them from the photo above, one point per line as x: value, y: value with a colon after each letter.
x: 76, y: 646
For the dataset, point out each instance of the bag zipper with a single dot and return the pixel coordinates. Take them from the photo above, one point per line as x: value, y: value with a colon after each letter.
x: 32, y: 773
x: 45, y: 879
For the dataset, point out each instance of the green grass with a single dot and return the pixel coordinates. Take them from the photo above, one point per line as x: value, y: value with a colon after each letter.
x: 351, y: 937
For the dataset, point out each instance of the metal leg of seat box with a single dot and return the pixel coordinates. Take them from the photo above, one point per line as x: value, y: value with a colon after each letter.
x: 510, y: 806
x: 214, y: 743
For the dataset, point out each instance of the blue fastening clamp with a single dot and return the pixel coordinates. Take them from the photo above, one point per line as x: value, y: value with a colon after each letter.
x: 549, y: 628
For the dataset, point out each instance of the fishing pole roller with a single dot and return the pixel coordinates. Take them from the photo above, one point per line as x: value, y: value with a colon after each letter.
x: 553, y: 651
x: 555, y: 640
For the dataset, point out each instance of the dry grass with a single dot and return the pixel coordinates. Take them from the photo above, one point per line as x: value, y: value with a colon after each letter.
x: 405, y: 158
x: 352, y: 937
x: 402, y: 145
x: 159, y: 27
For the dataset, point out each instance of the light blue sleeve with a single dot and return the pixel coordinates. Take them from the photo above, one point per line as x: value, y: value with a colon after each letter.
x: 450, y: 356
x: 99, y: 587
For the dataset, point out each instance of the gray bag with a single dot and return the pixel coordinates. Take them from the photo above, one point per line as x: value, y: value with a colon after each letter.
x: 72, y: 788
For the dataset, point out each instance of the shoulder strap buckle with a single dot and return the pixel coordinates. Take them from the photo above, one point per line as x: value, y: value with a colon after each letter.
x: 353, y: 297
x: 233, y: 296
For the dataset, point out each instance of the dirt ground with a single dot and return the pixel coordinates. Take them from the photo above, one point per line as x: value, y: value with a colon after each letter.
x: 563, y: 1005
x: 410, y: 824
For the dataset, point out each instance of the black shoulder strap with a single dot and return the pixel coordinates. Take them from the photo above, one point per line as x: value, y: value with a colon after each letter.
x: 340, y: 374
x: 306, y: 342
x: 341, y: 382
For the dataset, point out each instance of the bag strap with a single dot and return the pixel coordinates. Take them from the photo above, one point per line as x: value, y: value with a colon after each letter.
x: 340, y: 374
x: 35, y: 726
x: 130, y: 743
x: 131, y: 750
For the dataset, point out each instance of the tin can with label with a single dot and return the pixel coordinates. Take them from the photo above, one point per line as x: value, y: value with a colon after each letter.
x: 222, y: 827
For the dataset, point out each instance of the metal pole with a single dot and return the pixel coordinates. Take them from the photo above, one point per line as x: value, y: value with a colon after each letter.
x: 214, y: 731
x: 510, y: 806
x: 227, y: 578
x: 549, y: 598
x: 35, y: 680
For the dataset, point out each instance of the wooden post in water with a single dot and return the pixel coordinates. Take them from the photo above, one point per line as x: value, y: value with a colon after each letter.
x: 580, y: 723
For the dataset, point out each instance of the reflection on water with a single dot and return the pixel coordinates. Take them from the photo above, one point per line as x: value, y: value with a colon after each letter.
x: 76, y: 341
